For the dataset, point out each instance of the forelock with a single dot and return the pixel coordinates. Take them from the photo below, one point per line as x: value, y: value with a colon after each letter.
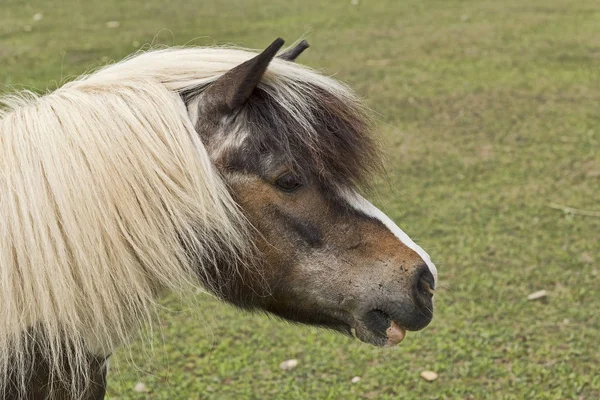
x: 320, y: 132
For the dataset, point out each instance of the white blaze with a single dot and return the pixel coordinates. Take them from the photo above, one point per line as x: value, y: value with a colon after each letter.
x: 361, y: 204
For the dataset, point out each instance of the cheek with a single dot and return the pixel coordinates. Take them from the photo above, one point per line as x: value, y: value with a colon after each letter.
x: 258, y: 202
x: 290, y: 226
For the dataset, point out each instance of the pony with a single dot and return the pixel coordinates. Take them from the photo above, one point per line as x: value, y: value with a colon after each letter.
x: 185, y: 168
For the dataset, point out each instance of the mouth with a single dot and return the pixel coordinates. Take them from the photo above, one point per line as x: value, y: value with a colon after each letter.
x: 382, y: 328
x: 378, y: 328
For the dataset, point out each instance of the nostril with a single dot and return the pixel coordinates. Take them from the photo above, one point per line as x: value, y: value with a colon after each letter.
x: 425, y: 283
x: 423, y: 290
x: 425, y: 287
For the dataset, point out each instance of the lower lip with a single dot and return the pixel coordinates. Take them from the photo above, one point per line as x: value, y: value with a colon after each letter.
x: 395, y: 334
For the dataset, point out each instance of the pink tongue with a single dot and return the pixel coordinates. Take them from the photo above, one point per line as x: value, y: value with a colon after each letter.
x: 395, y: 334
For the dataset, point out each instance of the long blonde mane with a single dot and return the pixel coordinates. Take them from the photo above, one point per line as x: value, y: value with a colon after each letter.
x: 108, y: 198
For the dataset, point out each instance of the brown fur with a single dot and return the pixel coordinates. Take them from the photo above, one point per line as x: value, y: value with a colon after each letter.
x: 323, y: 282
x: 41, y: 385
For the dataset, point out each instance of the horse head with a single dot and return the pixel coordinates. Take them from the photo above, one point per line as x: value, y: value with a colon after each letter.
x: 293, y: 148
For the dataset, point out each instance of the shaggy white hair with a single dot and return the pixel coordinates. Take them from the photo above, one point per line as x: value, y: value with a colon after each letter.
x: 108, y: 198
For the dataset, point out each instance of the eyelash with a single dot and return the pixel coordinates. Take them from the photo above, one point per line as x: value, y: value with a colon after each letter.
x: 288, y: 182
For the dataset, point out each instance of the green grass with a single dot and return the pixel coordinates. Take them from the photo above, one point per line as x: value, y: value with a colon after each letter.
x: 489, y: 112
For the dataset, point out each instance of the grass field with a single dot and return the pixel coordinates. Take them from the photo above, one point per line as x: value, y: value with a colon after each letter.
x: 490, y: 115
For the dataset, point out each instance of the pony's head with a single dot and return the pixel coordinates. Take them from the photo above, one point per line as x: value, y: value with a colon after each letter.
x: 292, y: 147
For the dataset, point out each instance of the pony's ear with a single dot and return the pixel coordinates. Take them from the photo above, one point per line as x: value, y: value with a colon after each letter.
x: 230, y: 91
x: 293, y: 53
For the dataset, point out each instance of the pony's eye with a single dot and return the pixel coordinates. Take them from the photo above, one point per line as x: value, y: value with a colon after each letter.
x: 288, y: 182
